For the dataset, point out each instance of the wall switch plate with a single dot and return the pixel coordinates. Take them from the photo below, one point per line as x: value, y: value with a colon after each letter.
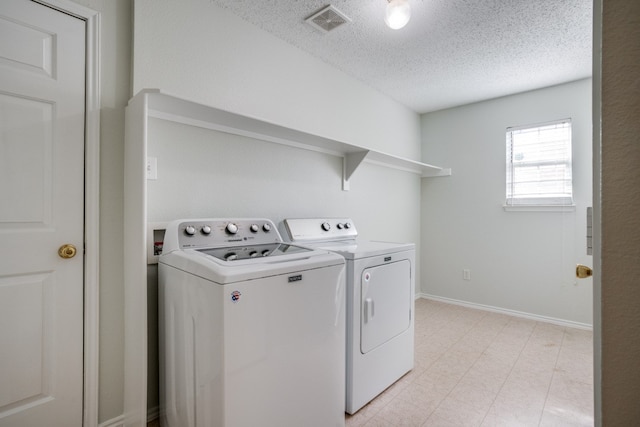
x: 152, y: 168
x: 466, y: 274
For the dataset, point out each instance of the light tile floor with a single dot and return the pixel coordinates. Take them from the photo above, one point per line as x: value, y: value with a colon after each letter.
x: 479, y: 368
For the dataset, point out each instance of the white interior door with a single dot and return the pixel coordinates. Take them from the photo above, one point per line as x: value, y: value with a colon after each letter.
x: 42, y: 84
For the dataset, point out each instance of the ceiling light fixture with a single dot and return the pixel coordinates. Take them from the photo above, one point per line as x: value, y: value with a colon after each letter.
x: 397, y: 14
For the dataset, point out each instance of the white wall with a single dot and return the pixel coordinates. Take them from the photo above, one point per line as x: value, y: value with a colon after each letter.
x: 520, y: 261
x: 205, y: 173
x: 194, y: 50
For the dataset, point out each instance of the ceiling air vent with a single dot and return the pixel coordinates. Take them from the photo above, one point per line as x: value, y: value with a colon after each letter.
x: 327, y: 19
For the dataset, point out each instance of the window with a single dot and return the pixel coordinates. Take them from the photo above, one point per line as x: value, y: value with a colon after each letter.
x: 539, y: 165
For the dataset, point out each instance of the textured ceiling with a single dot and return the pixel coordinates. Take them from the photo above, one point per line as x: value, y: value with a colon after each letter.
x: 452, y: 52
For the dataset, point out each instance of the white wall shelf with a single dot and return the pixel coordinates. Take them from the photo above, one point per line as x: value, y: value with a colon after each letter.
x: 151, y: 103
x: 167, y: 107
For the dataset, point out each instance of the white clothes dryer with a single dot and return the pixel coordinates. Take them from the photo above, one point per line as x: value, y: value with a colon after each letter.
x: 380, y: 304
x: 252, y: 330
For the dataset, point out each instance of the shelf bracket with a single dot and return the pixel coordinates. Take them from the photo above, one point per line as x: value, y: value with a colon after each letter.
x: 433, y: 174
x: 350, y: 163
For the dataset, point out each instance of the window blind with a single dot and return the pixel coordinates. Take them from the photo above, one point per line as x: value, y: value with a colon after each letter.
x: 539, y: 164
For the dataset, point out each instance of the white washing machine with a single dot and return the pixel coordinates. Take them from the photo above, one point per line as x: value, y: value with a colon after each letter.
x: 252, y: 330
x: 380, y: 304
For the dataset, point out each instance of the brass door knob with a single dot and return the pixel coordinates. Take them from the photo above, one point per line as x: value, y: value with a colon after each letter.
x: 583, y: 271
x: 67, y: 251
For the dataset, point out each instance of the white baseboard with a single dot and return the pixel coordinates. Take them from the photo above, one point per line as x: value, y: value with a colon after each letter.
x: 530, y: 316
x: 118, y: 421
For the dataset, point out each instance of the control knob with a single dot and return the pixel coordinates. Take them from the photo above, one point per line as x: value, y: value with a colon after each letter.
x: 266, y: 227
x: 254, y: 228
x: 231, y: 228
x: 206, y: 230
x: 190, y: 230
x: 340, y: 226
x: 326, y: 226
x: 347, y: 225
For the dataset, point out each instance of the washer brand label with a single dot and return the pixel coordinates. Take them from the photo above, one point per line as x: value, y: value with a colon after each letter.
x: 235, y: 296
x: 387, y: 259
x: 295, y: 278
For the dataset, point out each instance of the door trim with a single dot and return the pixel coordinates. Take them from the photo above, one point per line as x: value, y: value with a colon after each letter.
x: 597, y: 211
x: 91, y: 337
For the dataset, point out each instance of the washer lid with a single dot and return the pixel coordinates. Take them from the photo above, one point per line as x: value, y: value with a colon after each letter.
x: 217, y: 270
x: 236, y: 253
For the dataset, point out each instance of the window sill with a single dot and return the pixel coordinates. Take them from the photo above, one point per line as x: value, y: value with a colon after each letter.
x: 539, y: 208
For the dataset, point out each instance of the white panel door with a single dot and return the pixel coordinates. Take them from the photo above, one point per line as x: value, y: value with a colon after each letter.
x: 42, y: 81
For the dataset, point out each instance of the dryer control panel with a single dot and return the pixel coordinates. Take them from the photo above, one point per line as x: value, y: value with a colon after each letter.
x: 215, y: 233
x: 320, y: 229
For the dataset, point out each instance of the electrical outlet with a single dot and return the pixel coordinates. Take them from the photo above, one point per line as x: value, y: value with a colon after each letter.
x: 466, y: 274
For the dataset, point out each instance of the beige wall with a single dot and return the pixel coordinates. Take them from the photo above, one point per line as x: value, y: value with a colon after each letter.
x: 620, y: 291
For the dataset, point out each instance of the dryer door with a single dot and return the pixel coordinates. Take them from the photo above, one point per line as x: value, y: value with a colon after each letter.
x: 385, y: 305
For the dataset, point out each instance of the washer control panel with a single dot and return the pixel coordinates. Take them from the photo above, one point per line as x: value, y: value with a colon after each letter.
x: 320, y: 229
x: 212, y: 233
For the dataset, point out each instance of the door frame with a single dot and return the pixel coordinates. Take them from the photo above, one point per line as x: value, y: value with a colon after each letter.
x: 596, y: 112
x: 91, y: 277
